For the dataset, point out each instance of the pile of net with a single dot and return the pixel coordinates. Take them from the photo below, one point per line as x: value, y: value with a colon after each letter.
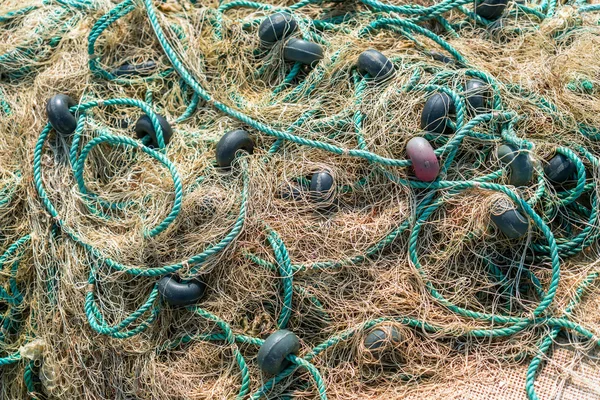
x: 204, y: 199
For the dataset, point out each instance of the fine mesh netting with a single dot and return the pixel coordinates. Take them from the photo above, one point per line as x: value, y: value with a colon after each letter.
x: 481, y: 283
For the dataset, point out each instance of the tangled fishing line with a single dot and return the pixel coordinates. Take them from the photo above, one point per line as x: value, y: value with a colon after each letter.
x: 320, y: 199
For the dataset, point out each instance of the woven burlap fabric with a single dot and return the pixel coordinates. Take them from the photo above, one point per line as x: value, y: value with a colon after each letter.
x: 568, y: 374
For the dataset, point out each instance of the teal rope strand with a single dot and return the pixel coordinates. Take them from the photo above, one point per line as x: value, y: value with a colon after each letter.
x: 285, y: 270
x: 229, y: 338
x: 499, y: 125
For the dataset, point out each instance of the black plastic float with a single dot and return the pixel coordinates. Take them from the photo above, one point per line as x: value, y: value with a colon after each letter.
x: 292, y: 191
x: 436, y: 114
x: 302, y: 51
x: 379, y: 338
x: 321, y: 184
x: 477, y: 94
x: 61, y: 119
x: 144, y: 127
x: 143, y: 69
x: 378, y: 66
x: 230, y: 143
x: 437, y: 56
x: 207, y: 207
x: 519, y: 163
x: 276, y: 27
x: 509, y: 220
x: 559, y: 169
x: 180, y: 294
x: 274, y: 350
x: 490, y: 9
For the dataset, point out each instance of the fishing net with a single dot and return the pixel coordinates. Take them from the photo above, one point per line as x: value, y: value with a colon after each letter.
x: 96, y: 221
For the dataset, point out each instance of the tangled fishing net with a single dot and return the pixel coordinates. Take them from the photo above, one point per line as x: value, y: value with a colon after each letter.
x: 94, y: 221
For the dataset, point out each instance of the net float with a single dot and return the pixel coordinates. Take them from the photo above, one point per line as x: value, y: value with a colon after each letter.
x: 477, y: 94
x: 509, y: 220
x: 144, y: 127
x: 378, y: 66
x: 437, y: 56
x: 230, y: 144
x: 302, y: 51
x: 276, y: 27
x: 180, y: 294
x: 490, y: 9
x: 321, y: 185
x: 518, y: 162
x: 62, y: 120
x: 379, y: 338
x: 424, y: 160
x: 274, y: 350
x: 143, y: 69
x: 559, y: 169
x: 436, y: 114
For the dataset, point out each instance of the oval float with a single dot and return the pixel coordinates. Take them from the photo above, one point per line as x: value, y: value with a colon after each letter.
x: 291, y: 191
x: 144, y: 127
x: 490, y: 9
x: 143, y: 69
x: 510, y: 221
x: 179, y: 294
x: 61, y: 119
x: 378, y: 66
x: 207, y: 208
x: 519, y: 163
x: 379, y: 338
x: 321, y: 185
x: 436, y: 114
x: 301, y: 51
x: 230, y: 143
x: 477, y: 94
x: 559, y: 169
x: 276, y: 27
x: 274, y: 350
x: 437, y: 56
x: 424, y: 160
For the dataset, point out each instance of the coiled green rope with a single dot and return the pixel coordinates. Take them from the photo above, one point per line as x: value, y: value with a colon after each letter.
x: 14, y: 298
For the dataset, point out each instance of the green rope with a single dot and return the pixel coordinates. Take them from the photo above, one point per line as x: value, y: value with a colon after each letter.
x: 545, y: 344
x: 229, y: 338
x: 196, y: 260
x: 488, y: 129
x: 14, y: 299
x: 285, y: 269
x: 28, y: 377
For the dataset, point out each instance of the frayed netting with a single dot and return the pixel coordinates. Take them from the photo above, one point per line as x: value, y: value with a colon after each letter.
x: 91, y: 221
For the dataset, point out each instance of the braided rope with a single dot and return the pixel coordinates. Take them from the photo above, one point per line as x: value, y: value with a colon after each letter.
x: 285, y: 269
x: 552, y: 248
